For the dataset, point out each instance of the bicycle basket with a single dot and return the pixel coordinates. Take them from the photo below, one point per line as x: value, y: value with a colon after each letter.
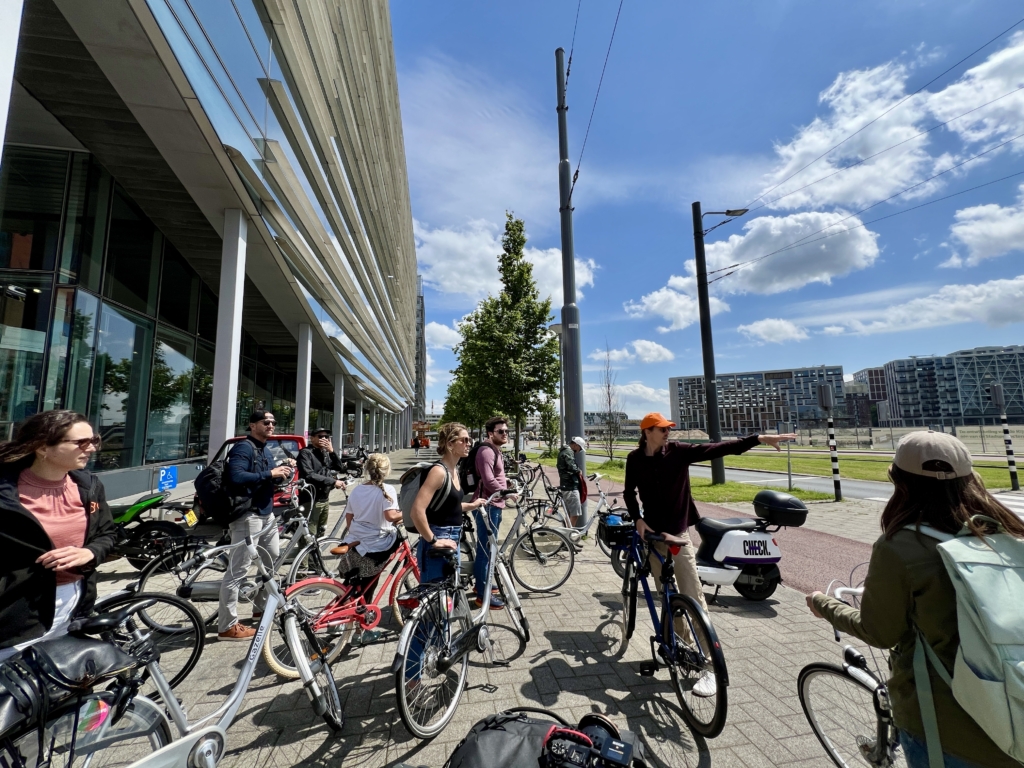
x: 616, y: 536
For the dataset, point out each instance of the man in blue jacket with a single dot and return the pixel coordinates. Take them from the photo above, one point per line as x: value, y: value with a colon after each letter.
x: 251, y: 474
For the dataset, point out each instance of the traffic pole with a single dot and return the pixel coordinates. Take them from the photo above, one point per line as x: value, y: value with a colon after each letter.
x: 834, y: 455
x: 1010, y: 460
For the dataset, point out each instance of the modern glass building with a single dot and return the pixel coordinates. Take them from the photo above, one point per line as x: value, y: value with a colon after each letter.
x: 204, y: 209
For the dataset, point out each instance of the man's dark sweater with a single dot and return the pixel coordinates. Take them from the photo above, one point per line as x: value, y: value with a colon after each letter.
x: 663, y: 481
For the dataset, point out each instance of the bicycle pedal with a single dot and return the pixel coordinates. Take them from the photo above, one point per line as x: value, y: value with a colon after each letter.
x: 648, y: 668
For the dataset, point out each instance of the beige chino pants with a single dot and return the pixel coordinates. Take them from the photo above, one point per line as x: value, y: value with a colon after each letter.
x: 687, y: 580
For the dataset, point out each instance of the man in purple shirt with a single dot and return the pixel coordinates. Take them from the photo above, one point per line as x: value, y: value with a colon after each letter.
x: 490, y: 468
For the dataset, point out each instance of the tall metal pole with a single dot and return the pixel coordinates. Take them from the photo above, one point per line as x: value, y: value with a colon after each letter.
x: 572, y: 355
x: 707, y: 346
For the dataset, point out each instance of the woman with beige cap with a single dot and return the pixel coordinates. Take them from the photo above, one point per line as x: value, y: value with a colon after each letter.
x: 907, y: 589
x: 658, y: 471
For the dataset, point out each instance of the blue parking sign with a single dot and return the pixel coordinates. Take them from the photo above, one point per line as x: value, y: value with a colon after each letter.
x: 168, y: 479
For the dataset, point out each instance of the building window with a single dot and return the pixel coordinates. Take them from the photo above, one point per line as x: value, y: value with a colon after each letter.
x: 133, y: 257
x: 32, y: 185
x: 24, y: 317
x: 170, y: 401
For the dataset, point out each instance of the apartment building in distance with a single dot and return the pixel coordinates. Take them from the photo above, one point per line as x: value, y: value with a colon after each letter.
x: 953, y: 389
x: 874, y: 378
x: 757, y: 400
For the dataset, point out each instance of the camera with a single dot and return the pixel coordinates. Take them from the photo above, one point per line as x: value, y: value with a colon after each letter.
x: 594, y: 743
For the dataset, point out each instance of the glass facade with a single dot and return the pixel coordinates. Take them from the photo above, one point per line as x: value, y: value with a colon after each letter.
x: 99, y: 313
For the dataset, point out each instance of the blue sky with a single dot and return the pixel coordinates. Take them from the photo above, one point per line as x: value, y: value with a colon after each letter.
x: 719, y: 102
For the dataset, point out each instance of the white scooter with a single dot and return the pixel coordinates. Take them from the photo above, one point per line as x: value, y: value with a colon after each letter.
x: 743, y: 553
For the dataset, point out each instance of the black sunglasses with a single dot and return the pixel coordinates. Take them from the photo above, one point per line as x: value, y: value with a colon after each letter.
x: 501, y: 431
x: 85, y: 442
x: 269, y: 422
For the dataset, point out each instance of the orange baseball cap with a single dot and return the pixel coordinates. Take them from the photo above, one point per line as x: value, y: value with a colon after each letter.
x: 655, y: 420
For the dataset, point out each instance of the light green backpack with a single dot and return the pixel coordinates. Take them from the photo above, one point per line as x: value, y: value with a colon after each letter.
x: 988, y: 675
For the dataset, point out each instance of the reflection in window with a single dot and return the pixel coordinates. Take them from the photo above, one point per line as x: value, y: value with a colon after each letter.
x: 170, y: 402
x: 121, y: 386
x: 202, y: 397
x: 24, y: 315
x: 133, y: 257
x: 86, y: 228
x: 207, y: 313
x: 179, y: 299
x: 31, y: 201
x: 60, y: 337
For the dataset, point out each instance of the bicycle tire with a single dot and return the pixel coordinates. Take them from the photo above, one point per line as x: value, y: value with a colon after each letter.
x: 406, y: 581
x: 177, y: 630
x: 701, y: 655
x: 427, y: 624
x: 840, y: 710
x: 629, y: 592
x: 619, y: 558
x: 542, y: 559
x: 307, y: 565
x: 315, y: 671
x: 161, y: 577
x: 276, y: 651
x: 510, y: 597
x: 150, y: 534
x: 605, y: 549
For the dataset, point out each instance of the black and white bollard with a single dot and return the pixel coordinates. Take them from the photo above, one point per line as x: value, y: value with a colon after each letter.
x: 1011, y: 462
x: 834, y: 455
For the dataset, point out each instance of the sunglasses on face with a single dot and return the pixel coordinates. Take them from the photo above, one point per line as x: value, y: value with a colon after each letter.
x: 269, y: 422
x: 462, y: 440
x: 501, y: 431
x: 84, y: 443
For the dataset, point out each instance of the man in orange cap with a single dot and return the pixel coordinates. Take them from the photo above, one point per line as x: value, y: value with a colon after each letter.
x: 658, y: 471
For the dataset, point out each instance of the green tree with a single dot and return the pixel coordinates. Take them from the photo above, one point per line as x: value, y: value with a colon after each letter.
x: 508, y: 360
x: 466, y: 405
x: 549, y: 427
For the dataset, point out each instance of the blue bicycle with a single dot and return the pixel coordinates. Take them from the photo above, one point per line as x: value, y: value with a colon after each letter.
x: 683, y: 639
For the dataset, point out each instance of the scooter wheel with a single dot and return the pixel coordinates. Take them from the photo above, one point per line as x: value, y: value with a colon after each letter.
x: 757, y: 591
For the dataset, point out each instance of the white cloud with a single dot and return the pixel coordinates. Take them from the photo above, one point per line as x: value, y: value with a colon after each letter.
x: 988, y: 231
x: 773, y: 330
x: 645, y: 351
x: 635, y: 398
x: 441, y: 336
x: 652, y: 352
x: 614, y: 355
x: 678, y: 308
x: 464, y: 261
x: 814, y: 262
x: 995, y: 303
x: 833, y: 330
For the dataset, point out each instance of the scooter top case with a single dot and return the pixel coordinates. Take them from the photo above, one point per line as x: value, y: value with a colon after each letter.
x: 737, y: 541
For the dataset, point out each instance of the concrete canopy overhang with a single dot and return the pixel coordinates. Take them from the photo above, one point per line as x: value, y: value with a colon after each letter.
x: 104, y: 70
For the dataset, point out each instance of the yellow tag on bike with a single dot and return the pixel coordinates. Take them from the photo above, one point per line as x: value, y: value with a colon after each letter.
x: 191, y: 518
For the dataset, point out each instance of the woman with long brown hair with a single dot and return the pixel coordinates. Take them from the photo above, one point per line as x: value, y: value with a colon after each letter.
x: 55, y: 526
x: 908, y: 590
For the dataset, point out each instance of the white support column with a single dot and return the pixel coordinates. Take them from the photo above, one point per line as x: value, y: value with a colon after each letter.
x: 10, y: 27
x: 302, y: 378
x: 224, y: 400
x: 358, y: 436
x: 339, y: 412
x: 391, y: 431
x: 374, y: 443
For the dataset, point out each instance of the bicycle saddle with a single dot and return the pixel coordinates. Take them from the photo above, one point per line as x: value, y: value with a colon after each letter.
x: 732, y: 524
x: 446, y: 552
x: 104, y: 622
x: 668, y: 538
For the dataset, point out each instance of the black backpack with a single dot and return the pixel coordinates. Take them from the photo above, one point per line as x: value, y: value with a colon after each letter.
x: 467, y: 469
x: 212, y: 489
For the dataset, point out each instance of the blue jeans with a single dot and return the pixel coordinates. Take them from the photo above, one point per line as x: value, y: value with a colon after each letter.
x: 431, y: 569
x: 483, y: 550
x: 916, y: 753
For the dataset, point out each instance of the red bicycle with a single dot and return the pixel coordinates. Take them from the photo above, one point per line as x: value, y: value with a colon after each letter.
x: 337, y: 609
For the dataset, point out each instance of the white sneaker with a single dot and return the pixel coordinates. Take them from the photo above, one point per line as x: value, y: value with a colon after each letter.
x: 706, y: 686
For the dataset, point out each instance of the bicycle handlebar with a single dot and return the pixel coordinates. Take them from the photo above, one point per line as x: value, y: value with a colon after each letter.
x: 842, y: 592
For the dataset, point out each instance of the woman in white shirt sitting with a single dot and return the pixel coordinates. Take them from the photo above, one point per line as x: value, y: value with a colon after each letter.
x: 372, y: 512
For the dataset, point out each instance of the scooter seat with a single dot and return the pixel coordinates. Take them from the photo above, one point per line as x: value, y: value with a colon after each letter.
x: 732, y: 524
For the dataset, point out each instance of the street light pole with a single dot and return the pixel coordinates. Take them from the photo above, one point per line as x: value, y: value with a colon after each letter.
x: 572, y: 355
x: 556, y: 328
x: 707, y: 346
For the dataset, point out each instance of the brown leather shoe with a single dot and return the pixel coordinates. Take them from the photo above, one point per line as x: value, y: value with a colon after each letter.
x: 237, y: 632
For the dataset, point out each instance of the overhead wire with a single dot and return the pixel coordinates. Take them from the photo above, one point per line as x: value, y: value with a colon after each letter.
x: 873, y: 205
x: 883, y: 151
x: 886, y: 112
x: 865, y: 224
x: 572, y: 45
x: 597, y: 95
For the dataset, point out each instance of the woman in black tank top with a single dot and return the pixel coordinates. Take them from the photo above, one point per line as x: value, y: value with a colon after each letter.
x: 443, y: 526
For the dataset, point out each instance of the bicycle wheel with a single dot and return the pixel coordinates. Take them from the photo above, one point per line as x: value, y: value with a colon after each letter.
x: 427, y: 694
x: 511, y: 599
x: 841, y: 712
x: 174, y: 627
x: 164, y: 576
x: 542, y: 559
x: 698, y: 669
x: 318, y: 594
x: 619, y: 558
x: 628, y: 615
x: 308, y: 565
x: 140, y: 730
x: 315, y: 671
x: 405, y: 582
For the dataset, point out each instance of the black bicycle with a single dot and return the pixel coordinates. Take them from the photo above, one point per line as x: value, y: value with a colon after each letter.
x: 683, y: 639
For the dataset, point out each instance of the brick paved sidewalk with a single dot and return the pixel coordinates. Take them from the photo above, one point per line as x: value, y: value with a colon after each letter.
x: 573, y: 665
